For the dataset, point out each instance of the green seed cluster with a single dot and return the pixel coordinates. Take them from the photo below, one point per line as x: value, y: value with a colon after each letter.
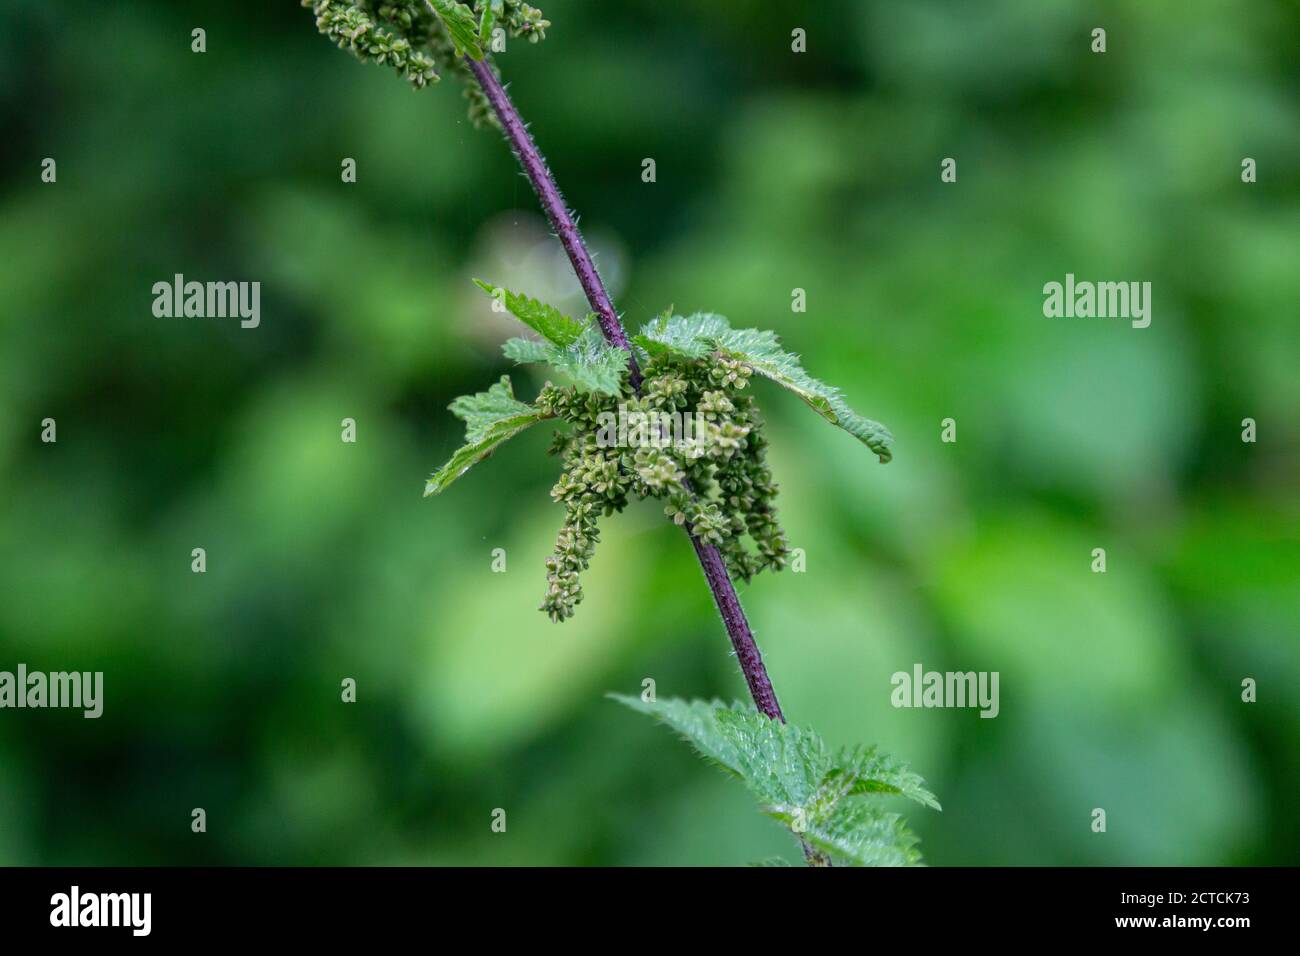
x: 717, y: 482
x: 521, y: 20
x: 406, y: 35
x: 394, y: 33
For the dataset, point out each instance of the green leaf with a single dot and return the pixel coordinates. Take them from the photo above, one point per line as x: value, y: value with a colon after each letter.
x: 491, y: 418
x: 485, y: 24
x: 762, y: 352
x: 481, y: 412
x: 575, y: 349
x: 868, y: 771
x: 781, y: 763
x: 590, y: 363
x: 547, y: 321
x: 855, y: 833
x: 825, y: 798
x: 461, y: 26
x: 693, y: 337
x: 526, y: 351
x: 697, y: 722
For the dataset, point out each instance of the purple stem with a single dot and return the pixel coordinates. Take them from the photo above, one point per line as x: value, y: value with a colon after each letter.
x: 742, y: 638
x: 557, y: 211
x: 715, y: 569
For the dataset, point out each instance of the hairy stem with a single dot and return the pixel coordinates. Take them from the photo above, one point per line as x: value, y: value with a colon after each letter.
x: 556, y: 210
x: 715, y: 569
x: 742, y: 639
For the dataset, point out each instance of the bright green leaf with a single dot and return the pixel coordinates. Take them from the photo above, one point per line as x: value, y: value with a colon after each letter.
x: 690, y: 337
x: 485, y: 24
x: 695, y: 336
x: 461, y: 26
x: 547, y: 321
x: 527, y: 351
x: 854, y: 833
x: 697, y: 722
x: 782, y: 763
x: 491, y: 418
x: 869, y: 771
x: 590, y: 363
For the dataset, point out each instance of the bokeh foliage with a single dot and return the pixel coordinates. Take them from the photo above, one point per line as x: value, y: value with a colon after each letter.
x: 775, y: 171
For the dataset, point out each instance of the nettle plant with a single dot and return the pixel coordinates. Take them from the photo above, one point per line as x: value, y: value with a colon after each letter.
x: 668, y: 414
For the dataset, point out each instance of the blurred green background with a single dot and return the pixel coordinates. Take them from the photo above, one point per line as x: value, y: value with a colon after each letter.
x: 775, y: 171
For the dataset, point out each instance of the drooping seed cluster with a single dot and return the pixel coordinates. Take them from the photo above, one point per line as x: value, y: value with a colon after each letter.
x: 713, y: 478
x: 395, y: 33
x: 406, y: 35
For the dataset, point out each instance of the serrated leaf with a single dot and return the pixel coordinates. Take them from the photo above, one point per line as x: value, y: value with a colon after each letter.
x: 855, y: 833
x: 824, y: 798
x: 484, y: 410
x: 866, y: 770
x: 773, y: 861
x: 694, y: 336
x: 490, y: 417
x: 781, y: 763
x: 591, y: 363
x: 461, y: 26
x: 546, y: 320
x: 525, y: 351
x: 696, y: 721
x: 762, y: 352
x: 690, y: 337
x: 574, y: 349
